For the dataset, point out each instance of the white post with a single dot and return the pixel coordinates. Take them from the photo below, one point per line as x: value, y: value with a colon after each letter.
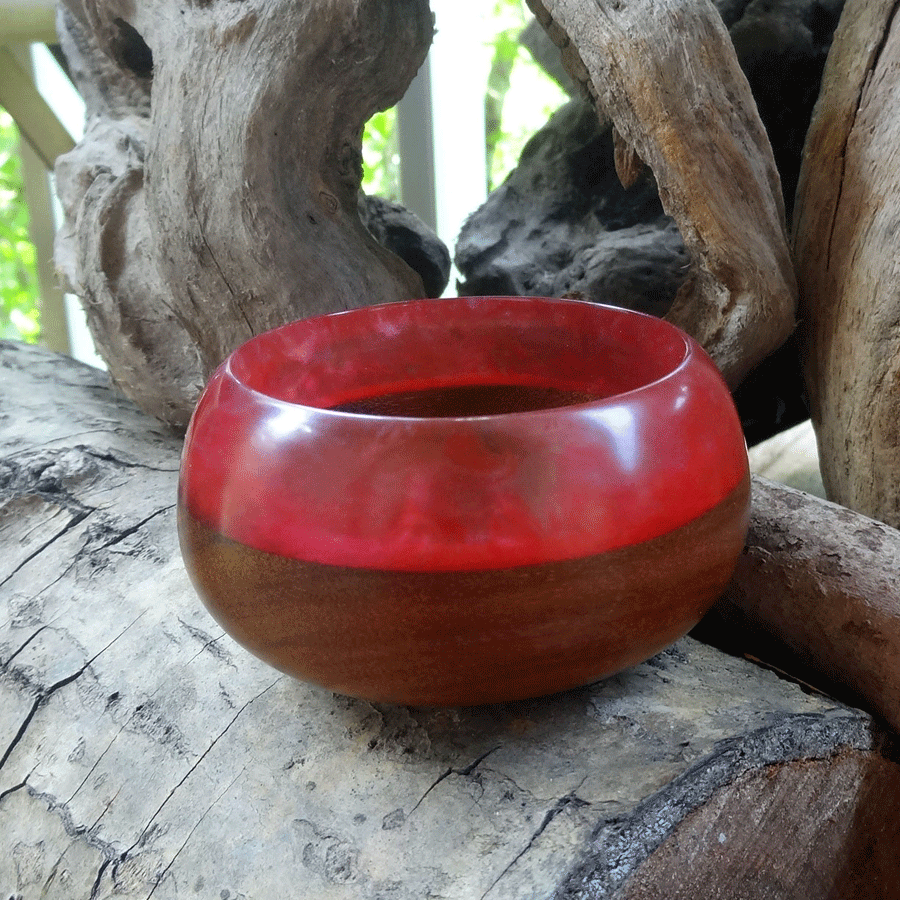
x: 460, y: 62
x: 63, y: 321
x: 443, y: 172
x: 416, y: 144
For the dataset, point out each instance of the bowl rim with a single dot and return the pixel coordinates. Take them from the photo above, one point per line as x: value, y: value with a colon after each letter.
x: 690, y: 345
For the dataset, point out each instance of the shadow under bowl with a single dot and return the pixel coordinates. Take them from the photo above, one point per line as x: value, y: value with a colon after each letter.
x: 463, y: 501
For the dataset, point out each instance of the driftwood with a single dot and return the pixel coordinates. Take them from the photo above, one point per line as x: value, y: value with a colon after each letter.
x: 668, y: 77
x: 818, y: 587
x: 224, y: 201
x: 845, y: 244
x: 561, y: 224
x: 227, y: 203
x: 142, y: 753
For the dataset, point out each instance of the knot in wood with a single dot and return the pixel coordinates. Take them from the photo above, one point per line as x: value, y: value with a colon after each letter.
x: 329, y: 202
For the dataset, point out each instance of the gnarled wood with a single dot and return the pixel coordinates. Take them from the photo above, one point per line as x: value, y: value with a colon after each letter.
x: 143, y: 753
x: 104, y: 247
x: 668, y: 77
x: 227, y: 203
x: 846, y: 249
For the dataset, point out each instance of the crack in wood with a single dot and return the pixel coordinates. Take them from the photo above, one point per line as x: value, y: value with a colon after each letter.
x: 433, y: 785
x: 44, y: 695
x: 96, y: 886
x: 39, y: 701
x: 146, y: 829
x: 15, y: 788
x: 94, y: 766
x: 162, y: 875
x: 132, y: 529
x: 570, y: 799
x: 48, y: 881
x: 74, y: 522
x: 468, y: 770
x: 208, y: 643
x: 5, y: 664
x: 109, y: 457
x: 105, y: 810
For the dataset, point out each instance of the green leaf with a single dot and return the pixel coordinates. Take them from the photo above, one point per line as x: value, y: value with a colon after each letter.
x: 381, y: 161
x: 19, y: 309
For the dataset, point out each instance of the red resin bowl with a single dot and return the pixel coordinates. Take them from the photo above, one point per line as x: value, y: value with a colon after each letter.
x: 463, y: 501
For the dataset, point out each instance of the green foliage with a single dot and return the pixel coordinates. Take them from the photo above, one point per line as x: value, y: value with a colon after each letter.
x: 18, y: 276
x: 381, y: 157
x: 510, y: 18
x: 520, y: 96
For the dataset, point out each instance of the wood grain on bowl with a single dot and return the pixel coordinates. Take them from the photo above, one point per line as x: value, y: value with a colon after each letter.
x: 467, y: 637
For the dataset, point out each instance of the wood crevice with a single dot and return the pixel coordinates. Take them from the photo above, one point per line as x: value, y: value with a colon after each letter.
x: 563, y: 803
x: 144, y: 831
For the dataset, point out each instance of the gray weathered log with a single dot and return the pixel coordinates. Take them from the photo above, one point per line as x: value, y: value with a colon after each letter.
x: 846, y: 250
x: 104, y: 247
x: 142, y: 753
x: 668, y: 77
x: 224, y: 201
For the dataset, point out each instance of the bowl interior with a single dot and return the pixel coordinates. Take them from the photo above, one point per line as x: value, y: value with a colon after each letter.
x: 572, y: 351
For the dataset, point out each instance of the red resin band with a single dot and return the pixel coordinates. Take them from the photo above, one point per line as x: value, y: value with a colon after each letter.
x: 267, y: 464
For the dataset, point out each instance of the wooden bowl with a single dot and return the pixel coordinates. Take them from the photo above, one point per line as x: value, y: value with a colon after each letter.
x: 463, y: 501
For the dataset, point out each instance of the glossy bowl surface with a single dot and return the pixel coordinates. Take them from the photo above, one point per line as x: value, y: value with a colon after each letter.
x: 464, y: 500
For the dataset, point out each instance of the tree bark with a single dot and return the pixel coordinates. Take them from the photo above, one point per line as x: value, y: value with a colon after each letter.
x: 143, y: 753
x: 845, y: 246
x: 668, y: 77
x: 224, y: 201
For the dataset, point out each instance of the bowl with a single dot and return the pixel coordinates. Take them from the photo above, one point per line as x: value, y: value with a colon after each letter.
x: 463, y: 501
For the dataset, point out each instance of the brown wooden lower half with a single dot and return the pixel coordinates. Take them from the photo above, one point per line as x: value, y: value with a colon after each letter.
x: 461, y: 638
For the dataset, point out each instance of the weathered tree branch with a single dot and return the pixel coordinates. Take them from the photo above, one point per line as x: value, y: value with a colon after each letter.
x: 104, y: 247
x: 668, y: 77
x: 824, y: 582
x: 846, y: 250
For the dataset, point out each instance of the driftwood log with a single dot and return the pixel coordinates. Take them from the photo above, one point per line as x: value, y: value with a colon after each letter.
x: 817, y: 592
x: 224, y: 201
x: 668, y: 77
x: 143, y: 754
x: 845, y: 244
